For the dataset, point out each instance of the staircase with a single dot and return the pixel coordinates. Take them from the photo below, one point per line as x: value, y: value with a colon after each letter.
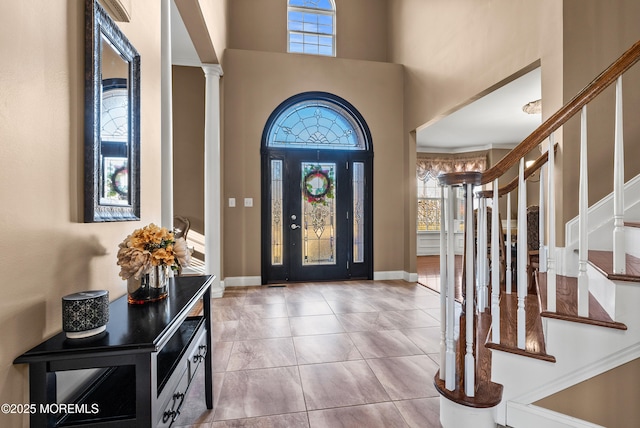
x: 514, y: 342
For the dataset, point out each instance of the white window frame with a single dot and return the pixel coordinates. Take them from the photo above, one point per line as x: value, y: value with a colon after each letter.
x: 332, y: 14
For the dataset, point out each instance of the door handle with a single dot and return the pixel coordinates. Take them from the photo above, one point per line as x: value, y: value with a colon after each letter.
x: 294, y: 226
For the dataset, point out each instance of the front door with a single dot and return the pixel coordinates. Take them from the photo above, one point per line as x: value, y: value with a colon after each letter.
x: 317, y: 211
x: 316, y: 198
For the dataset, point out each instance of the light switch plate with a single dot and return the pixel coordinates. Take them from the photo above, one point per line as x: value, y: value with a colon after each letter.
x: 232, y: 202
x: 248, y: 202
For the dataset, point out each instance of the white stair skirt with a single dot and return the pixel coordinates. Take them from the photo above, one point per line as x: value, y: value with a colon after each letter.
x: 454, y: 415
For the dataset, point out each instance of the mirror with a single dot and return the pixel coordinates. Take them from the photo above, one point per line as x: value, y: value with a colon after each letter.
x: 112, y: 121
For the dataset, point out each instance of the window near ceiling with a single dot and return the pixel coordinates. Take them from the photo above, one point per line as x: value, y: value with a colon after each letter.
x: 311, y: 27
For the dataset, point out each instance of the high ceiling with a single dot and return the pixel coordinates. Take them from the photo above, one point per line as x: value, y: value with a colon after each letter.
x: 494, y: 120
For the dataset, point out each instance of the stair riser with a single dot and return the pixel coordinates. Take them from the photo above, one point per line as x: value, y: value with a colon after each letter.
x: 582, y: 351
x: 603, y: 290
x: 632, y: 240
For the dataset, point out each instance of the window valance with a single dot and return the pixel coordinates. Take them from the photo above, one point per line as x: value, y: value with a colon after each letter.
x: 432, y: 166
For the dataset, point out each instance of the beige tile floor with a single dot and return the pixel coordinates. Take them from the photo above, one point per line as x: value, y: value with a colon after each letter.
x: 342, y: 354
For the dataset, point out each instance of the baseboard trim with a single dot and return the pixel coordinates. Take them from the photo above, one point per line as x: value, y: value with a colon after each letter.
x: 394, y: 275
x: 242, y: 281
x: 245, y: 281
x: 530, y: 416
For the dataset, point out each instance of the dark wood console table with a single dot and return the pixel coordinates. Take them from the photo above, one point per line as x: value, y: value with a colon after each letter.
x: 146, y: 360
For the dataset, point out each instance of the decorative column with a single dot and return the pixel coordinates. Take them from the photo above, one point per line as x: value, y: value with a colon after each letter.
x: 166, y: 118
x: 212, y: 178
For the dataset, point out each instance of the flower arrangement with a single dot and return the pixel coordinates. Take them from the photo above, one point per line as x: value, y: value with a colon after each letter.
x: 148, y: 247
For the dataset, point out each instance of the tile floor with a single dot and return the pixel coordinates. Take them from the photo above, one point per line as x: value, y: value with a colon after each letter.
x: 342, y: 354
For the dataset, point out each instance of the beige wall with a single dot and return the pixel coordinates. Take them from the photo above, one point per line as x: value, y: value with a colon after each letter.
x: 46, y: 252
x: 609, y: 399
x: 215, y: 16
x: 262, y: 26
x: 188, y: 145
x: 454, y: 51
x: 255, y: 83
x: 596, y: 34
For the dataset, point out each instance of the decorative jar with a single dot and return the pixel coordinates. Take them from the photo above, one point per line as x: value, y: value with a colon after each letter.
x: 85, y: 314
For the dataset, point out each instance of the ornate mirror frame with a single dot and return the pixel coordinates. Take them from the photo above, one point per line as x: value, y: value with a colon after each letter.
x: 111, y: 168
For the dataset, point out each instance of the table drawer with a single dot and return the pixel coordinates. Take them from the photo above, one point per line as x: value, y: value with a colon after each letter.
x: 172, y: 408
x: 197, y: 354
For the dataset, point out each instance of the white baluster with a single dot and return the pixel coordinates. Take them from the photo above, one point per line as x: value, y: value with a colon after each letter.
x: 479, y: 250
x: 483, y: 262
x: 522, y: 256
x: 542, y: 254
x: 496, y: 236
x: 508, y: 245
x: 443, y: 287
x: 469, y: 360
x: 450, y: 380
x: 619, y: 249
x: 551, y: 261
x: 487, y: 268
x: 583, y: 242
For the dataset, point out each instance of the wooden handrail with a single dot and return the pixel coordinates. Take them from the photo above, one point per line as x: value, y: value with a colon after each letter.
x: 593, y: 89
x: 513, y: 184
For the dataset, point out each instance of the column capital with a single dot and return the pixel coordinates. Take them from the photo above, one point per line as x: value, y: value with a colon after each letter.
x: 211, y: 70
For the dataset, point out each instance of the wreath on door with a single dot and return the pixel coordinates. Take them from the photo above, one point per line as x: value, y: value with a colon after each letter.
x: 317, y: 184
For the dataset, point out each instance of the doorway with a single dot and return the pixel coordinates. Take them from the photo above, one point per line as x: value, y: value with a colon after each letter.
x: 317, y: 186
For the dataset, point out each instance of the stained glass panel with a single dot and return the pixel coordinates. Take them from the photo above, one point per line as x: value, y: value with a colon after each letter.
x: 276, y: 212
x: 318, y: 198
x: 358, y: 212
x: 115, y: 114
x: 428, y: 215
x: 316, y: 125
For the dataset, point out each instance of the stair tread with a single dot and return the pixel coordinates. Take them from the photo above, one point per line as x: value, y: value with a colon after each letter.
x: 486, y: 395
x: 603, y: 261
x: 567, y: 303
x: 534, y: 334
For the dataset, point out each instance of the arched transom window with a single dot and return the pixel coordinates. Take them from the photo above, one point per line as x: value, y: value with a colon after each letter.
x: 316, y: 124
x: 311, y: 27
